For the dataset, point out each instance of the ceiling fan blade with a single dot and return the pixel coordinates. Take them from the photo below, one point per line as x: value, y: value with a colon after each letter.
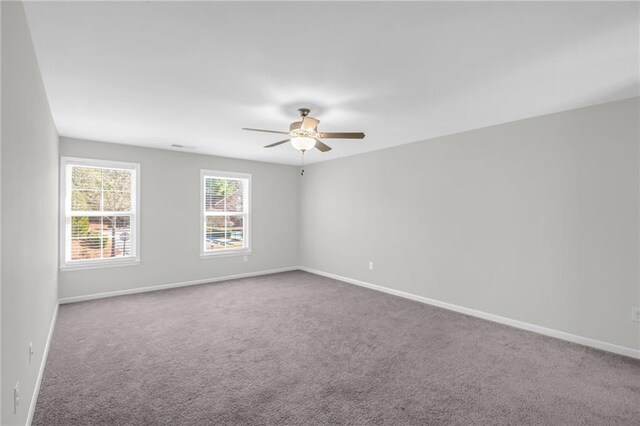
x: 344, y: 135
x: 267, y: 131
x: 277, y: 143
x: 322, y: 146
x: 309, y: 123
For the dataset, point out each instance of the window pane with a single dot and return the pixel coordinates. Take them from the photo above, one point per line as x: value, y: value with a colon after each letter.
x: 224, y: 194
x: 116, y: 233
x: 86, y: 238
x: 83, y: 200
x: 85, y: 226
x: 215, y: 232
x: 214, y: 195
x: 235, y: 232
x: 117, y: 180
x: 235, y: 195
x: 86, y: 178
x: 116, y: 201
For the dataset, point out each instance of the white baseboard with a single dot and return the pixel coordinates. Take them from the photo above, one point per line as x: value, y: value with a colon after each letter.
x: 586, y: 341
x: 83, y: 298
x: 43, y: 362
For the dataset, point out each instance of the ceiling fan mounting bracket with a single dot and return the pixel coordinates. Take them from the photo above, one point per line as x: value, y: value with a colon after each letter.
x: 304, y: 111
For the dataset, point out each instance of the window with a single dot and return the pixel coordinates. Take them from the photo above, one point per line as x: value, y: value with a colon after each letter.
x: 225, y: 213
x: 99, y: 211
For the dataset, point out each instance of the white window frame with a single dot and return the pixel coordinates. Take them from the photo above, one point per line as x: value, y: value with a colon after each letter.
x: 65, y: 215
x: 239, y: 251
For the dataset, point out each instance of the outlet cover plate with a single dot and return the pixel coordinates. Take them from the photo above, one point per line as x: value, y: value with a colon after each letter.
x: 635, y: 314
x: 16, y: 398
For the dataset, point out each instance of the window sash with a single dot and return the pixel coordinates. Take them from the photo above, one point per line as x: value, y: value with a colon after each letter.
x: 130, y: 245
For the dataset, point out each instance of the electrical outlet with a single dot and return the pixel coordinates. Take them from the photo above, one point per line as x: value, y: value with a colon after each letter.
x: 371, y: 266
x: 31, y: 353
x: 245, y: 258
x: 16, y: 398
x: 635, y: 314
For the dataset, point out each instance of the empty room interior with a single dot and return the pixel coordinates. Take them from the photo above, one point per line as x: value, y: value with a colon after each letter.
x: 312, y: 213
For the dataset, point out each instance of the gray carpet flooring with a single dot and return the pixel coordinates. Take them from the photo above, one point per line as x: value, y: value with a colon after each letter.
x: 299, y: 349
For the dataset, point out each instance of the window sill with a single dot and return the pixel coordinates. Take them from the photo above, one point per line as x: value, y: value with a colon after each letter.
x: 100, y: 265
x: 226, y: 253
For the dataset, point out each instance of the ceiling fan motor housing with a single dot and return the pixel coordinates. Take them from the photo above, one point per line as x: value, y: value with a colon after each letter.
x: 307, y: 127
x: 297, y: 125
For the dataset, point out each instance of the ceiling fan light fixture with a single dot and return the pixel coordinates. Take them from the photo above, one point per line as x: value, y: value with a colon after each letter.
x: 302, y: 143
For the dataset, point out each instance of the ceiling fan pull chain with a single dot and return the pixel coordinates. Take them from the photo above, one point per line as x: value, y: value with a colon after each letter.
x: 302, y: 166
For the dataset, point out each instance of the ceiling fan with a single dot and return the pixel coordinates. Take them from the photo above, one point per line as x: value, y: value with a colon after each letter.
x: 304, y: 134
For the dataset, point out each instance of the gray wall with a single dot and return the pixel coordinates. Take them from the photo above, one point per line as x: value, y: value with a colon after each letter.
x: 170, y: 219
x: 535, y: 220
x: 29, y: 217
x: 1, y: 383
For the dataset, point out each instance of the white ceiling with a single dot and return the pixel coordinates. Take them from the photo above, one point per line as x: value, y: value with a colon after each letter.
x: 159, y: 73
